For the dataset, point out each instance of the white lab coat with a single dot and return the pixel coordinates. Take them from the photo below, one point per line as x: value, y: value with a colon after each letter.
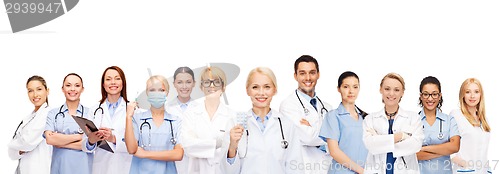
x: 314, y: 160
x: 379, y: 142
x: 29, y: 138
x: 474, y: 145
x: 198, y: 137
x: 174, y: 108
x: 106, y: 162
x: 265, y: 154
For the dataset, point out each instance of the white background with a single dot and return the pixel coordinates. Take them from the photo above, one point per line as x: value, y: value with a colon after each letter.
x: 452, y: 40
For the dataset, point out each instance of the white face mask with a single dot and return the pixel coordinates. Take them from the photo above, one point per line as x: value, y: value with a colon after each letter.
x: 157, y: 99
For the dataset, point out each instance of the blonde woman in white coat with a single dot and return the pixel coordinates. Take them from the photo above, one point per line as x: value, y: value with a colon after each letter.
x: 265, y: 142
x: 109, y: 116
x: 308, y: 118
x: 472, y: 157
x: 392, y: 136
x: 28, y: 146
x: 204, y: 126
x: 184, y: 83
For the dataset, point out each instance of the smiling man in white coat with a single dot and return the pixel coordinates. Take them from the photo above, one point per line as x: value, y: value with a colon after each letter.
x: 306, y: 110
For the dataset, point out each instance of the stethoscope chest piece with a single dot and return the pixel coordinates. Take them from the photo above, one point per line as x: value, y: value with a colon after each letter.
x: 173, y: 141
x: 306, y: 111
x: 440, y: 136
x: 80, y: 131
x: 284, y: 144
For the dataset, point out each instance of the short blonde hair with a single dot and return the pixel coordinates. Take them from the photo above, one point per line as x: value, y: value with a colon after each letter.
x: 214, y: 72
x: 264, y: 71
x: 393, y: 75
x: 158, y: 78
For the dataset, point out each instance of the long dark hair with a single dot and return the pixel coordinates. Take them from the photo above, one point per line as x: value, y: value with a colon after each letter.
x: 123, y: 93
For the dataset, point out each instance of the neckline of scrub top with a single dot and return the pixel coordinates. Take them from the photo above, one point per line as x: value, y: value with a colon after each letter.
x: 343, y: 112
x: 166, y: 116
x: 78, y: 109
x: 439, y: 115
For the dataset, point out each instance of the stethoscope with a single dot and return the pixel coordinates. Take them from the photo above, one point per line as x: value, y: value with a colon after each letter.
x: 284, y: 142
x: 80, y: 131
x: 29, y: 121
x: 102, y: 112
x: 440, y: 135
x: 146, y: 123
x: 306, y: 111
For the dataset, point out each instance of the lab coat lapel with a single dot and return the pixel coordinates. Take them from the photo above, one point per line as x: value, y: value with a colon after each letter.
x: 120, y: 114
x: 272, y: 120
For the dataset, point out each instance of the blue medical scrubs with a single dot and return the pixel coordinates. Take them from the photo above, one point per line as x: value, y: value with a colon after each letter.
x: 160, y: 141
x: 340, y: 126
x: 448, y: 126
x: 68, y: 160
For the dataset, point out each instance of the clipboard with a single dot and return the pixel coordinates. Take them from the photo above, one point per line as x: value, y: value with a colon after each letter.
x: 83, y: 122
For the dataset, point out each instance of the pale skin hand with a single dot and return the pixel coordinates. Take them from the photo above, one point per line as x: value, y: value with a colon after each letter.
x: 71, y: 141
x: 305, y: 122
x: 130, y: 140
x: 235, y: 136
x: 96, y: 136
x: 58, y: 139
x: 175, y: 154
x: 397, y: 137
x: 109, y: 134
x: 459, y: 161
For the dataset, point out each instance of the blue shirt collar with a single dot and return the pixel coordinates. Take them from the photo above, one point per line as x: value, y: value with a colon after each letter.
x: 256, y: 117
x: 342, y: 111
x: 78, y: 109
x: 180, y: 103
x: 115, y: 105
x: 439, y: 115
x: 307, y: 97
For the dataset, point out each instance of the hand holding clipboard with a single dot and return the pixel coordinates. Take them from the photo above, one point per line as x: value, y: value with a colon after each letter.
x: 90, y: 130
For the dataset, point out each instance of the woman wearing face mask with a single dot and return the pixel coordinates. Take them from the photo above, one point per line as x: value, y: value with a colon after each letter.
x: 392, y: 136
x: 260, y: 148
x: 27, y: 145
x: 441, y: 131
x: 151, y: 136
x: 203, y: 127
x: 184, y: 83
x: 474, y: 130
x: 64, y: 134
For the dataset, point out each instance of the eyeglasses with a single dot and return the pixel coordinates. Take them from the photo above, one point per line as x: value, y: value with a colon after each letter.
x: 433, y: 95
x: 207, y: 83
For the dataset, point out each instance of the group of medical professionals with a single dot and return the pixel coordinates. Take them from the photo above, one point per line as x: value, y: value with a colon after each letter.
x: 305, y: 135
